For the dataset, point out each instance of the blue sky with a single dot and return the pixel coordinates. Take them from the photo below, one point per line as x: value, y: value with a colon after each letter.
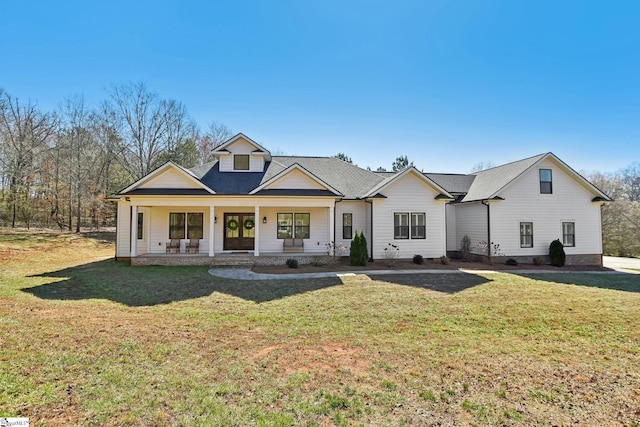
x: 447, y: 83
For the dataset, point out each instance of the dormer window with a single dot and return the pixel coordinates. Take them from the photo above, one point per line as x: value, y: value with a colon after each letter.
x: 545, y: 181
x: 241, y: 162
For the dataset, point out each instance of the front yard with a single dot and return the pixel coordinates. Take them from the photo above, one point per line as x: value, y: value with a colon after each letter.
x: 85, y: 340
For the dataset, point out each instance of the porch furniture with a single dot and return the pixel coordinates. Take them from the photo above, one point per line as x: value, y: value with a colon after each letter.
x: 293, y: 245
x: 173, y: 246
x: 192, y: 246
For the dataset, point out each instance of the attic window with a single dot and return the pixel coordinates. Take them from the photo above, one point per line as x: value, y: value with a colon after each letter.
x: 546, y: 186
x: 241, y: 162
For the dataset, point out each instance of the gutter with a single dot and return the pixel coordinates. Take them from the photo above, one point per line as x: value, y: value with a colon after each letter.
x: 370, y: 228
x: 489, y: 245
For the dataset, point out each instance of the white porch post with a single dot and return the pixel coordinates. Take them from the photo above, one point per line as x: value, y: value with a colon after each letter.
x: 212, y: 216
x: 332, y: 226
x: 134, y: 231
x: 256, y: 234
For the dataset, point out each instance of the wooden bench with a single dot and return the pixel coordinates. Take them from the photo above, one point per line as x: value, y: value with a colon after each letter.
x: 292, y: 245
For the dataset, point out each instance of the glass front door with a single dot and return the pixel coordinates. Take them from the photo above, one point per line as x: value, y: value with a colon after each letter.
x: 239, y: 232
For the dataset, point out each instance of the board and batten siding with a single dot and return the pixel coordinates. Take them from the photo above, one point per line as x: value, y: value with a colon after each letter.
x: 470, y: 220
x: 409, y: 194
x: 570, y: 202
x: 256, y: 162
x: 357, y: 209
x: 295, y: 179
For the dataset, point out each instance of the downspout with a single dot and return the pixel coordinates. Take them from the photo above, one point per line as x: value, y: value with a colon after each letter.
x: 489, y: 244
x: 370, y: 228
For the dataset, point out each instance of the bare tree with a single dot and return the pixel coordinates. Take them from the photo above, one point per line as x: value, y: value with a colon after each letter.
x: 215, y: 134
x: 24, y: 131
x: 147, y: 126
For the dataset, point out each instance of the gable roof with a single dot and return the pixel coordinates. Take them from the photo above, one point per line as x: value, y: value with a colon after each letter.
x: 259, y: 149
x: 350, y: 180
x: 290, y: 169
x: 444, y: 194
x: 190, y: 176
x: 488, y: 183
x: 453, y: 183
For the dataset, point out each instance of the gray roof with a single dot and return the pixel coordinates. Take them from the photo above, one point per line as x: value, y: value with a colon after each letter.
x: 488, y: 182
x: 453, y: 183
x: 348, y: 179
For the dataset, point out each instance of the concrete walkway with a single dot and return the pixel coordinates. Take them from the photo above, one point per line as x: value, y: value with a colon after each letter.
x: 245, y: 274
x: 622, y: 264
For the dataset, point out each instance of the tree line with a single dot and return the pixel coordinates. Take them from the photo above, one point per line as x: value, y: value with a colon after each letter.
x: 58, y: 167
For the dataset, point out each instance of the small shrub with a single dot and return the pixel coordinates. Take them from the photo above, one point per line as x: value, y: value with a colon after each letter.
x: 358, y: 252
x: 292, y: 263
x: 537, y: 260
x: 444, y: 260
x: 391, y: 253
x: 417, y: 259
x: 556, y: 253
x: 512, y: 262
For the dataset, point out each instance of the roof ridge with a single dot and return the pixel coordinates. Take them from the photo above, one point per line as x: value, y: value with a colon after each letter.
x: 510, y: 163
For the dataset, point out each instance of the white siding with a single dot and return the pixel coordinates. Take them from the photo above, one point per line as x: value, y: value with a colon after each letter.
x: 358, y: 210
x: 170, y: 178
x: 471, y: 220
x: 409, y: 194
x: 318, y: 229
x: 256, y: 162
x: 123, y: 229
x: 452, y: 237
x: 159, y: 228
x: 570, y: 202
x: 295, y: 179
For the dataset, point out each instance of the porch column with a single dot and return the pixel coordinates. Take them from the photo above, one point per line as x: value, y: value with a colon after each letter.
x: 134, y: 231
x: 332, y: 225
x: 212, y: 216
x: 256, y: 234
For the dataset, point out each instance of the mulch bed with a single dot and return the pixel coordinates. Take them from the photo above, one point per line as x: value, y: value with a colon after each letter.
x: 435, y: 264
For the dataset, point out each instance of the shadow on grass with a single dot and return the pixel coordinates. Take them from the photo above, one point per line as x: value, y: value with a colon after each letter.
x: 154, y: 285
x: 619, y: 281
x: 450, y: 283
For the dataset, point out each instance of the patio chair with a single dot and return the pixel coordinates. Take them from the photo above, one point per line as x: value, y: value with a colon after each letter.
x: 192, y: 246
x: 173, y: 246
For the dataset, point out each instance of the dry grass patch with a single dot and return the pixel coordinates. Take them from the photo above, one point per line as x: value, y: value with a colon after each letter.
x: 89, y: 341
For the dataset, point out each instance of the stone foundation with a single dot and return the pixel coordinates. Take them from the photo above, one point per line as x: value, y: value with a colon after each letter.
x: 226, y: 260
x: 579, y: 259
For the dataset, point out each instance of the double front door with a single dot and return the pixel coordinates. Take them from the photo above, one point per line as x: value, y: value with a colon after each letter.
x: 239, y: 232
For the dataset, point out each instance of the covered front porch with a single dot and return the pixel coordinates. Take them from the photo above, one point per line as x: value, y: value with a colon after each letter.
x: 188, y: 232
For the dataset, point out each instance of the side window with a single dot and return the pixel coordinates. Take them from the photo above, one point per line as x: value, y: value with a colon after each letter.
x: 401, y: 225
x: 526, y: 234
x: 140, y: 223
x: 418, y: 225
x: 568, y: 234
x: 546, y: 185
x: 347, y: 226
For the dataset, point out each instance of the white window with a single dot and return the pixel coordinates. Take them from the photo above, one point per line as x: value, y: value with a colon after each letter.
x: 526, y: 234
x: 568, y: 234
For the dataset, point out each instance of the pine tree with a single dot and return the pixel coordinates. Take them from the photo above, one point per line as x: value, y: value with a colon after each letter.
x: 358, y: 252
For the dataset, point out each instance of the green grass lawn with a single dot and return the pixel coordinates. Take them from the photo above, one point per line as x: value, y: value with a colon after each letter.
x: 85, y: 340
